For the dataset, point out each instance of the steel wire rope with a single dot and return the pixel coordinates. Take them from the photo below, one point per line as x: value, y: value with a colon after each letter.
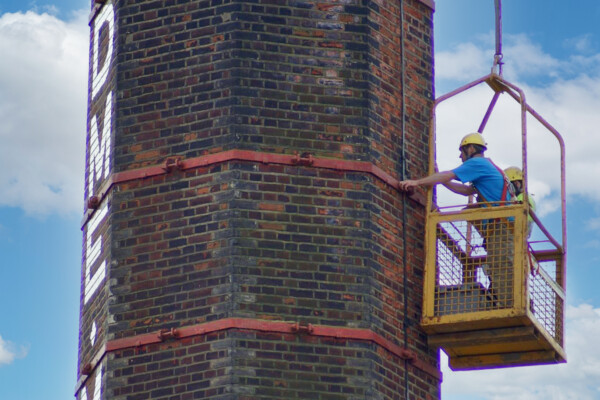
x: 498, y: 55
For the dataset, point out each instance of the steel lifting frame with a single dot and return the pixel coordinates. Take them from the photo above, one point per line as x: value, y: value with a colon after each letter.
x: 500, y: 85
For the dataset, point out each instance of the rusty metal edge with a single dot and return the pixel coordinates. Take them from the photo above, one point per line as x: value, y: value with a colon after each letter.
x: 428, y: 3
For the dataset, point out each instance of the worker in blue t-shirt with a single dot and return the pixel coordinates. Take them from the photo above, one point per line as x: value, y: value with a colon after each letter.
x: 491, y: 186
x: 488, y: 181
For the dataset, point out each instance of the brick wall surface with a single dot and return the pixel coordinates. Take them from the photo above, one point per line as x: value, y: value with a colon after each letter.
x: 270, y: 242
x: 248, y: 365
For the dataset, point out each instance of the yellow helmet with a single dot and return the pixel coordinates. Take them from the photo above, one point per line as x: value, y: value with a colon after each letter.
x: 514, y: 174
x: 473, y: 138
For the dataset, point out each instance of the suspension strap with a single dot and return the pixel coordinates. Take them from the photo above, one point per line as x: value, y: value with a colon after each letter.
x: 507, y: 187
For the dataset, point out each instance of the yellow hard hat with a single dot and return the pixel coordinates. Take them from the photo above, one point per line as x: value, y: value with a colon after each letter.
x: 514, y: 173
x: 473, y: 138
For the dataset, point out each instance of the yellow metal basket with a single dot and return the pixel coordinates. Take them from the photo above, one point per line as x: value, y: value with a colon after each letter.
x: 490, y: 300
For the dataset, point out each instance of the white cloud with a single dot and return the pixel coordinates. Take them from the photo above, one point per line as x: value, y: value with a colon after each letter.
x: 583, y: 43
x: 9, y: 352
x: 43, y: 112
x: 525, y: 58
x: 464, y: 62
x: 578, y: 379
x: 521, y: 57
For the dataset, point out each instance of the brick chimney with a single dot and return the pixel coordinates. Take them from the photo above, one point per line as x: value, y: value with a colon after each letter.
x: 244, y: 237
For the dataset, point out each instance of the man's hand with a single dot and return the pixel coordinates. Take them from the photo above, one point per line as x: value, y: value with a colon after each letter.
x: 408, y: 185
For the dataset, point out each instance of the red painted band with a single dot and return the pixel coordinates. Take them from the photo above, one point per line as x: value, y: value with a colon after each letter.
x: 273, y: 326
x: 255, y: 325
x: 247, y: 155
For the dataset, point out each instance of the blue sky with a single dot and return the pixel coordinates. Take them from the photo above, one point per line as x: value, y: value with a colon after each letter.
x: 551, y: 51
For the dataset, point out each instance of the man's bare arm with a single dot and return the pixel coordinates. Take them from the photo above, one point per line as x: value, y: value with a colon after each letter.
x: 460, y: 188
x: 434, y: 179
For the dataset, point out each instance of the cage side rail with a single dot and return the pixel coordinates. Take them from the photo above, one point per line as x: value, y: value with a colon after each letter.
x: 432, y: 131
x: 551, y: 239
x: 475, y: 213
x: 552, y: 283
x: 498, y: 84
x: 561, y: 144
x: 478, y: 205
x: 547, y: 254
x: 461, y: 89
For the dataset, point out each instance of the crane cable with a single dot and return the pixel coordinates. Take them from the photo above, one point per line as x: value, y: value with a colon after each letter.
x: 498, y: 56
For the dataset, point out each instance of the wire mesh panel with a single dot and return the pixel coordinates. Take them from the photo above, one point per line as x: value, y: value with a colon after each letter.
x: 546, y: 300
x: 474, y: 265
